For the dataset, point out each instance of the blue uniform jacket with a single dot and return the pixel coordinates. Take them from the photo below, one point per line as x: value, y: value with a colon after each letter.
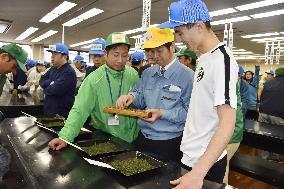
x: 59, y: 87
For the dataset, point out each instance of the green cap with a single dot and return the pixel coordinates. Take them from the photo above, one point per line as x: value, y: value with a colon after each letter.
x: 17, y: 53
x: 279, y: 71
x: 117, y: 38
x: 185, y: 52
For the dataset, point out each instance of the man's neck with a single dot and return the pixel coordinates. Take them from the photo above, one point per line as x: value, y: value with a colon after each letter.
x: 168, y: 62
x: 210, y: 41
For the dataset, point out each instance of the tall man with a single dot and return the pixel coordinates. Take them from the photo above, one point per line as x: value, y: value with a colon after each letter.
x: 212, y: 110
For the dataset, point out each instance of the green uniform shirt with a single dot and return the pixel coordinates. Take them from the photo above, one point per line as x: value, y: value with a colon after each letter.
x: 239, y: 127
x: 93, y: 96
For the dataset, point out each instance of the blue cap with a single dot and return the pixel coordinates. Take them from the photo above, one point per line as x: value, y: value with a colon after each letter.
x: 30, y: 63
x: 40, y: 63
x: 241, y: 70
x: 79, y: 58
x: 137, y: 56
x: 270, y: 72
x: 98, y: 47
x: 59, y: 48
x: 186, y: 11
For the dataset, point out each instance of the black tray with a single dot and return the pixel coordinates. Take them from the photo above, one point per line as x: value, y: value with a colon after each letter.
x: 134, y: 154
x: 120, y: 147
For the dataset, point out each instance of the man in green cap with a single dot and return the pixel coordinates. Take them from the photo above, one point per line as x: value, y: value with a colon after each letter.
x: 101, y: 89
x: 187, y: 57
x: 11, y: 56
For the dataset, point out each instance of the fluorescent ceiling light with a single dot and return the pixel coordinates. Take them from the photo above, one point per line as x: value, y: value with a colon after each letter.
x: 137, y: 30
x: 230, y: 20
x: 282, y: 32
x: 27, y: 33
x: 222, y: 12
x: 86, y: 47
x: 260, y: 35
x: 268, y: 39
x: 242, y: 53
x: 239, y: 50
x: 268, y: 14
x: 57, y: 11
x: 136, y: 37
x: 45, y: 35
x: 258, y: 4
x: 83, y: 43
x: 91, y: 13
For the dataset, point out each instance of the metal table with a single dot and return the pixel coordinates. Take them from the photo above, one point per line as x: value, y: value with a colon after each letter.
x: 12, y: 105
x: 42, y: 168
x: 264, y: 136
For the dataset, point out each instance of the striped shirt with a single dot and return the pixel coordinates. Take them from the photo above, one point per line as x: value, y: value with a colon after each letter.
x: 214, y: 84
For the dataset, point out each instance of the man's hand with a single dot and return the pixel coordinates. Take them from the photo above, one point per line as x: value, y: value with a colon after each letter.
x: 124, y: 101
x: 57, y: 144
x: 190, y: 180
x: 14, y: 92
x: 156, y: 114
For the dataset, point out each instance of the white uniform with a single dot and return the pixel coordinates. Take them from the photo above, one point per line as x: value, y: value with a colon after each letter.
x: 214, y: 84
x: 80, y: 76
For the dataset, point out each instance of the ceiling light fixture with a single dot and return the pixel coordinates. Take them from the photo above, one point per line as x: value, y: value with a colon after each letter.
x: 27, y: 33
x: 230, y: 20
x: 91, y: 13
x: 57, y: 11
x: 258, y: 4
x: 44, y: 36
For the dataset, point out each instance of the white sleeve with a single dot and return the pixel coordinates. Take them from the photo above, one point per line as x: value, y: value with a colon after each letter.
x: 225, y: 82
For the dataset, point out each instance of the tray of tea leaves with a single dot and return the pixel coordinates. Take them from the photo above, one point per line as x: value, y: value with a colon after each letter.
x: 100, y: 147
x: 133, y: 163
x: 51, y: 121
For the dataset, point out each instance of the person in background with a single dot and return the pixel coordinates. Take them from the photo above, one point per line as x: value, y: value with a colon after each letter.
x: 137, y: 59
x: 96, y: 55
x: 271, y: 107
x: 77, y: 63
x: 12, y: 57
x: 164, y: 90
x: 269, y: 75
x: 19, y: 79
x: 187, y: 57
x: 34, y: 76
x: 99, y: 90
x: 212, y: 110
x: 253, y: 80
x: 244, y: 90
x: 58, y: 83
x: 238, y: 132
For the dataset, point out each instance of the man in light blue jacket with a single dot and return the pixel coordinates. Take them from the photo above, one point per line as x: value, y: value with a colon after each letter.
x: 164, y: 90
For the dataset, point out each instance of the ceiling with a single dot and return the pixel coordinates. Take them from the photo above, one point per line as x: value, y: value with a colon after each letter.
x: 122, y: 15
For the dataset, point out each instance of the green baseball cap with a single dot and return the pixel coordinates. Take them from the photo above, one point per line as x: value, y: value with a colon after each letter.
x: 17, y: 53
x: 279, y: 71
x: 117, y: 38
x: 185, y: 52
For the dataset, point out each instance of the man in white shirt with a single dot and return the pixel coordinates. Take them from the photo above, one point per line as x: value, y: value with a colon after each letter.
x: 212, y: 111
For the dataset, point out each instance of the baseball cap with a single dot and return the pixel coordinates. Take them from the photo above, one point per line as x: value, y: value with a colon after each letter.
x: 137, y: 56
x: 79, y: 58
x: 18, y: 53
x: 117, y: 38
x: 185, y: 52
x: 30, y: 63
x: 59, y: 48
x: 156, y: 37
x: 186, y: 11
x: 270, y: 72
x: 279, y: 71
x: 98, y: 47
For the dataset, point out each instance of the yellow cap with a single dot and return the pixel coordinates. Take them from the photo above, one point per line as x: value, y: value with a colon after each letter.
x: 156, y: 37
